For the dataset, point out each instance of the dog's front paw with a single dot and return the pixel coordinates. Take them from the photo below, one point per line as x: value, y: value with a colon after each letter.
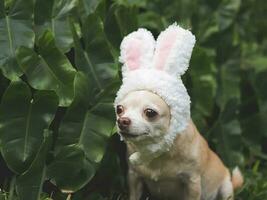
x: 135, y: 158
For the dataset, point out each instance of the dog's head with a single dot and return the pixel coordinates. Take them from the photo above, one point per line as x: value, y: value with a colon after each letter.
x: 142, y: 114
x: 152, y: 99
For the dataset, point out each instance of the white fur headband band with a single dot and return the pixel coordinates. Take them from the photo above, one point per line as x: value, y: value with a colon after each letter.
x: 157, y: 66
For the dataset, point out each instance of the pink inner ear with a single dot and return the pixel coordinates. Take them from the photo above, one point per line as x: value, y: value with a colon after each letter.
x: 133, y: 54
x: 163, y: 51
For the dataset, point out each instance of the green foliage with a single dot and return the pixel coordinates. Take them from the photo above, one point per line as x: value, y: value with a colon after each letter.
x: 23, y: 121
x: 29, y: 184
x: 50, y: 70
x: 16, y: 30
x: 60, y: 73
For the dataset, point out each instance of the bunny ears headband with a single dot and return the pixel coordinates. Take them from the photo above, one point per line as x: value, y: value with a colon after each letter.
x: 157, y: 66
x: 170, y: 53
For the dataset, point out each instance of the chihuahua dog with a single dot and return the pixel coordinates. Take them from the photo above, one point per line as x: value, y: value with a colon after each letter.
x: 165, y: 150
x: 190, y: 170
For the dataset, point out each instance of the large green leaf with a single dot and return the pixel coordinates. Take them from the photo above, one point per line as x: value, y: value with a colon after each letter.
x: 259, y: 81
x: 82, y: 61
x: 120, y: 21
x: 29, y: 184
x: 70, y: 160
x: 50, y: 70
x: 72, y: 124
x: 15, y: 30
x: 259, y: 84
x: 150, y: 20
x: 227, y: 12
x: 82, y: 138
x: 86, y: 7
x: 229, y: 80
x: 227, y: 134
x: 71, y: 170
x: 23, y: 120
x: 203, y: 80
x: 53, y: 15
x: 96, y: 60
x: 204, y: 86
x: 90, y: 6
x: 101, y: 66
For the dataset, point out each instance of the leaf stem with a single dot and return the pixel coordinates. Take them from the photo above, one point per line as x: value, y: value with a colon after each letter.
x: 69, y: 197
x: 92, y: 70
x: 12, y: 188
x: 9, y: 35
x: 27, y: 132
x: 53, y: 27
x: 83, y: 128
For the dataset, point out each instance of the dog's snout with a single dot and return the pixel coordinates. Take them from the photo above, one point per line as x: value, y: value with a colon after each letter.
x: 124, y: 122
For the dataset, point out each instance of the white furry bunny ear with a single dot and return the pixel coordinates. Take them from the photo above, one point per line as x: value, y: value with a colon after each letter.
x: 137, y: 50
x: 173, y: 50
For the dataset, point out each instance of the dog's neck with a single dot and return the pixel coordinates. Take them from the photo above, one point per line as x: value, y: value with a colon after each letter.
x: 145, y: 151
x: 143, y: 156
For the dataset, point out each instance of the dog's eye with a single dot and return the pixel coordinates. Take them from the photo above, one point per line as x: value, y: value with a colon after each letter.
x: 150, y: 114
x: 119, y: 109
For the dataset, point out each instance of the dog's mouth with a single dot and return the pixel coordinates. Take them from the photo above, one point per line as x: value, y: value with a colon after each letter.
x: 130, y: 135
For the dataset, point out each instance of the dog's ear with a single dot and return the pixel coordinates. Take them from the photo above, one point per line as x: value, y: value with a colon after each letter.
x: 137, y: 50
x: 173, y: 50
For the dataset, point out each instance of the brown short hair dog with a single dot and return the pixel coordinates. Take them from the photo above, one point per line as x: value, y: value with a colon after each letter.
x: 165, y: 150
x: 190, y: 170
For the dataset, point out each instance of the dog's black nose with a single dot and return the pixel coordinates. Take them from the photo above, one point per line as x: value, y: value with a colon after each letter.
x: 124, y: 122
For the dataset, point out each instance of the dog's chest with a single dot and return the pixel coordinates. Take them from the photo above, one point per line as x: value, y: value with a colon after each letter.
x: 167, y: 188
x: 155, y: 173
x: 167, y: 180
x: 165, y: 168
